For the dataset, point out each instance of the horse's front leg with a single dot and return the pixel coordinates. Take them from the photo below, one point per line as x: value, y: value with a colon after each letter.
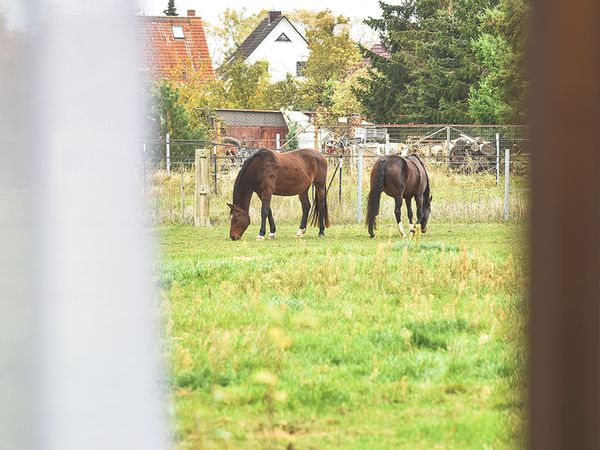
x: 264, y: 214
x: 272, y: 228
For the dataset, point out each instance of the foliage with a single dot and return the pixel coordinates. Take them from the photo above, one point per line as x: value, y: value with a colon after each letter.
x: 332, y: 54
x: 452, y: 61
x: 246, y: 84
x: 168, y: 114
x: 346, y: 342
x: 171, y: 10
x: 233, y: 27
x: 344, y: 102
x: 291, y: 138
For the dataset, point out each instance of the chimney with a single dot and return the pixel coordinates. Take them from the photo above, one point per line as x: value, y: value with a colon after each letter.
x: 191, y: 13
x: 273, y: 15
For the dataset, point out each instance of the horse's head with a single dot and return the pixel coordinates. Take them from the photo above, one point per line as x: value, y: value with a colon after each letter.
x: 240, y: 220
x: 426, y: 212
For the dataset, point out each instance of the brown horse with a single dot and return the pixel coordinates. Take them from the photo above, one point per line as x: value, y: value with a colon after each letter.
x: 400, y: 178
x: 270, y: 173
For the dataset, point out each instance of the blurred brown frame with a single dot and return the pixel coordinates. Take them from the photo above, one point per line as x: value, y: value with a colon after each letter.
x: 565, y: 287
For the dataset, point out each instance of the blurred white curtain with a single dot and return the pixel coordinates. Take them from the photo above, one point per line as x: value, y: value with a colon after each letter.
x: 79, y: 324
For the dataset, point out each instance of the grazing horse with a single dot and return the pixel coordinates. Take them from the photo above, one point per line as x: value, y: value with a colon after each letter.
x: 270, y: 173
x: 400, y: 178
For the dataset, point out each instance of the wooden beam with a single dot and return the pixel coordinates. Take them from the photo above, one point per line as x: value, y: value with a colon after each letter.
x: 565, y: 227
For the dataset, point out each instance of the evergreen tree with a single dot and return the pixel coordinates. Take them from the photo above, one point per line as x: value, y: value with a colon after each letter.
x: 171, y: 10
x: 451, y: 61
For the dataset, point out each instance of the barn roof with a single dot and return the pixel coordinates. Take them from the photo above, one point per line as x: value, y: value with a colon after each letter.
x: 171, y: 42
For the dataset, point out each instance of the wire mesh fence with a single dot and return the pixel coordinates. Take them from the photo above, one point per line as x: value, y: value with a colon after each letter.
x: 466, y: 165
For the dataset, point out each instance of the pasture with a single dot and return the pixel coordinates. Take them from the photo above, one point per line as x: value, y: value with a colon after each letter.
x: 346, y: 342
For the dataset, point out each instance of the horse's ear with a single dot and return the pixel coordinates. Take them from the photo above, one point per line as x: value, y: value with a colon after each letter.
x: 230, y: 206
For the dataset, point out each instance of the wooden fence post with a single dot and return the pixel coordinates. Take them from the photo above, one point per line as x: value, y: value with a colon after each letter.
x: 202, y: 217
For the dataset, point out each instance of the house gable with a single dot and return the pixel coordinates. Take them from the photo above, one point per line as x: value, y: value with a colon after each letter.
x: 282, y: 46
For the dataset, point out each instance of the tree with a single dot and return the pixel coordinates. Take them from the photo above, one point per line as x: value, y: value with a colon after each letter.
x: 451, y: 61
x: 169, y: 115
x: 234, y: 26
x: 171, y: 10
x: 246, y: 84
x: 344, y: 102
x: 332, y: 54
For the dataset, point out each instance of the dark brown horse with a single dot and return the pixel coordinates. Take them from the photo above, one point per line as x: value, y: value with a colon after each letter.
x: 400, y: 178
x: 270, y: 173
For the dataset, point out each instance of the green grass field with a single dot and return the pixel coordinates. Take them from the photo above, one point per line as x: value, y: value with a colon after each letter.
x: 346, y: 342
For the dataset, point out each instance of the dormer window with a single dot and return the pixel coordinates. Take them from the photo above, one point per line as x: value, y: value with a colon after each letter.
x: 178, y: 33
x: 283, y: 38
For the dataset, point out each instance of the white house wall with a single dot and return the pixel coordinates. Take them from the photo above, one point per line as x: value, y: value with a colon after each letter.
x: 281, y: 56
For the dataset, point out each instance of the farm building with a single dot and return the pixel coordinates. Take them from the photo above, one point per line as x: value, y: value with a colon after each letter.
x: 268, y: 129
x: 252, y: 128
x: 171, y: 43
x: 276, y: 41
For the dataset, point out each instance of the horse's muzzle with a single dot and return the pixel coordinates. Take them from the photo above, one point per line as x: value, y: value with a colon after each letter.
x: 235, y: 238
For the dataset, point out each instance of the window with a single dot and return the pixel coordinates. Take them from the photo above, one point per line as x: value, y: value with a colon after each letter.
x: 283, y: 38
x: 300, y: 65
x: 178, y: 32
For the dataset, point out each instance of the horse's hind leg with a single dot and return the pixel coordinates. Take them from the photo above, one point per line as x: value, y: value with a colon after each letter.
x: 322, y: 205
x: 409, y: 212
x: 398, y: 212
x: 305, y: 210
x: 419, y: 202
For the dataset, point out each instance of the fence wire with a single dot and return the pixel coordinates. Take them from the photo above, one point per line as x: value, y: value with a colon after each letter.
x: 465, y: 163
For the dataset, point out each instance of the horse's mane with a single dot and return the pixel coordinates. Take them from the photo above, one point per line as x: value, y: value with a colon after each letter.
x: 426, y: 193
x: 238, y: 180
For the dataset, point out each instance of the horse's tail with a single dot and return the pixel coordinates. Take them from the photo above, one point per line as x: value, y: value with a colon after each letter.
x: 377, y: 182
x: 320, y: 209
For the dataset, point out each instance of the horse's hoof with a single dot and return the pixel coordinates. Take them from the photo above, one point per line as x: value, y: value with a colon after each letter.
x: 401, y: 230
x: 372, y: 236
x: 321, y: 235
x: 300, y: 233
x: 260, y: 238
x: 271, y: 235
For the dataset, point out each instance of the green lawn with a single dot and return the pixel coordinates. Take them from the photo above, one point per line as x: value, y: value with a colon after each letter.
x: 346, y: 342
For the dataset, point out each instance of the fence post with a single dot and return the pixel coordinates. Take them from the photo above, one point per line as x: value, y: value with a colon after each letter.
x: 215, y: 166
x: 360, y: 173
x: 340, y: 188
x: 497, y: 159
x: 448, y: 139
x: 182, y: 186
x: 506, y: 181
x: 317, y: 146
x: 168, y: 153
x: 202, y: 216
x: 387, y: 144
x: 278, y: 141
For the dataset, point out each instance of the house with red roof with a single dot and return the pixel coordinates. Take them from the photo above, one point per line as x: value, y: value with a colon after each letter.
x: 172, y: 43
